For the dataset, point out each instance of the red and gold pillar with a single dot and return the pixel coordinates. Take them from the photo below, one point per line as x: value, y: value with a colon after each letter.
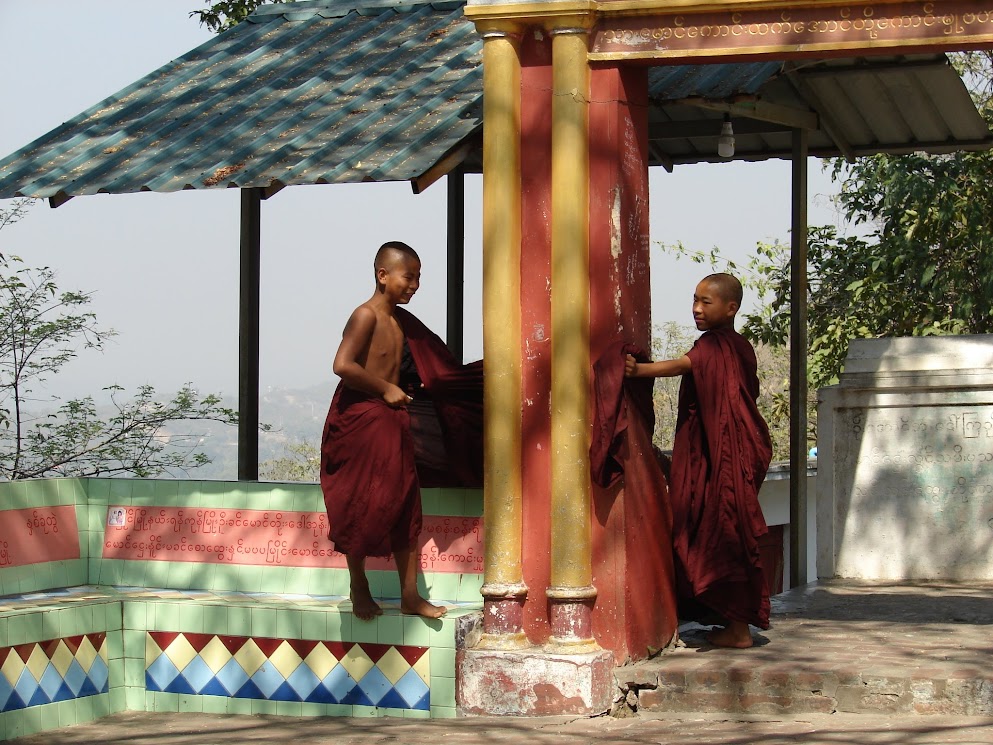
x: 551, y: 633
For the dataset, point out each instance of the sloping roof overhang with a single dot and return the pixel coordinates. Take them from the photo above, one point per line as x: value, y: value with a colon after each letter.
x: 323, y: 91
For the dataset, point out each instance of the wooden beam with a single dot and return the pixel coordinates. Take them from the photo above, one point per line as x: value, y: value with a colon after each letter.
x: 451, y: 160
x: 761, y: 110
x: 699, y: 128
x: 273, y: 189
x: 676, y: 32
x: 828, y: 125
x: 827, y: 152
x: 864, y: 66
x: 58, y: 200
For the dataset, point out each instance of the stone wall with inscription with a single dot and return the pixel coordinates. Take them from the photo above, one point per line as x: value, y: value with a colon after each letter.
x: 905, y: 446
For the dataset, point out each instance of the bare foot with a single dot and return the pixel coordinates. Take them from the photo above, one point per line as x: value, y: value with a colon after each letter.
x: 364, y: 607
x: 735, y: 636
x: 421, y: 607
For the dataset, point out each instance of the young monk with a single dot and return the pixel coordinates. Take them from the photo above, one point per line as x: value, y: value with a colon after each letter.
x: 368, y: 474
x: 720, y: 457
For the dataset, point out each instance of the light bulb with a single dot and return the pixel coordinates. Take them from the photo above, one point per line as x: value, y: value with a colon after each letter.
x: 725, y: 143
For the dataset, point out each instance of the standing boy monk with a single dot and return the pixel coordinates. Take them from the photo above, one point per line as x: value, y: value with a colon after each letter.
x: 368, y: 474
x: 720, y: 457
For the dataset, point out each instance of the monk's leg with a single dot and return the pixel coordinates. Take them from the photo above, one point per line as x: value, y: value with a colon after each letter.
x: 735, y: 634
x: 411, y: 601
x: 363, y: 606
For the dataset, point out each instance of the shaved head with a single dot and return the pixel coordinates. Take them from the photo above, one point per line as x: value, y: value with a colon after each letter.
x: 726, y: 285
x: 392, y: 251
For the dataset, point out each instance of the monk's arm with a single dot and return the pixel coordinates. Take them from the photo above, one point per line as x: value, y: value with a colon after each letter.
x: 348, y: 361
x: 660, y: 369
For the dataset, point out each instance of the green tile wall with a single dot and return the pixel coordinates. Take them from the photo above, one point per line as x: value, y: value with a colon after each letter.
x: 126, y: 621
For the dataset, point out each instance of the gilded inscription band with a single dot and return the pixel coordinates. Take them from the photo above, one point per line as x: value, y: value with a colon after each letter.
x: 895, y: 24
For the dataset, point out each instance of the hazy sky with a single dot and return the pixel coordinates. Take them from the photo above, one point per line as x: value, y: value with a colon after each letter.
x: 164, y: 267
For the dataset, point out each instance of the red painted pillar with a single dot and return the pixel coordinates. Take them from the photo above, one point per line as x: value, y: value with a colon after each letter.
x: 632, y: 560
x: 635, y: 609
x: 632, y: 611
x: 536, y: 247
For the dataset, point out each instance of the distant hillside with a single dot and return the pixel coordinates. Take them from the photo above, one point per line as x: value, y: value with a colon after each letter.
x: 295, y: 415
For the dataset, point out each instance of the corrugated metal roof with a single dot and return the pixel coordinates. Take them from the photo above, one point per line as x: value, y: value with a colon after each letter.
x: 675, y: 83
x: 325, y: 91
x: 314, y: 92
x: 858, y: 106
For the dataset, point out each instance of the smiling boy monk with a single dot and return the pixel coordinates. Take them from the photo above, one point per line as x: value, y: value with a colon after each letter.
x: 720, y: 457
x: 368, y: 474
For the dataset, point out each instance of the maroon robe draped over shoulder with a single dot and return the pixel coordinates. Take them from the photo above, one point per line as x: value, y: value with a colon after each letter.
x: 370, y: 470
x: 720, y: 457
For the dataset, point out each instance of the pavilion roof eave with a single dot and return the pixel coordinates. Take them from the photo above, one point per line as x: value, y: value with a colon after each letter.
x: 316, y: 95
x: 861, y: 107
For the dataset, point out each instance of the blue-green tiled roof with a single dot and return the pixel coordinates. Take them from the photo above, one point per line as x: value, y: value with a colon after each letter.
x: 313, y: 92
x: 343, y: 91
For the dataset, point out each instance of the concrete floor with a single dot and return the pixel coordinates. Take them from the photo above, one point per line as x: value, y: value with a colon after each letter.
x: 923, y: 632
x: 710, y: 729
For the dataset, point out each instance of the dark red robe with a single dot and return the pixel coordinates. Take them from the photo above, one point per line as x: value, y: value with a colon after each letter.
x: 368, y: 476
x: 720, y: 457
x: 455, y: 391
x: 374, y: 458
x: 619, y: 402
x: 621, y: 448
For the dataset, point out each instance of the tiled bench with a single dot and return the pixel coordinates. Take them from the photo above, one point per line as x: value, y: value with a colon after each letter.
x: 88, y: 636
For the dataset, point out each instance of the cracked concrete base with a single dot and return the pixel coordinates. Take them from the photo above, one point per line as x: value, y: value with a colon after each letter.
x: 534, y: 682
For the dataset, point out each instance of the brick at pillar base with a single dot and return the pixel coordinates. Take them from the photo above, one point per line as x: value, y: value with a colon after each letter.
x: 533, y: 682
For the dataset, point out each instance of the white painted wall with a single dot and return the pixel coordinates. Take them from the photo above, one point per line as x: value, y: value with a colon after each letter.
x: 905, y: 444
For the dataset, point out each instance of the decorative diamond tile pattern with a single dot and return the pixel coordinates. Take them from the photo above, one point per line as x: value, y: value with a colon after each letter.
x: 389, y: 676
x: 53, y: 670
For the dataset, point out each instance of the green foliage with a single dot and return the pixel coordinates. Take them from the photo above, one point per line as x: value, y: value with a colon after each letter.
x: 17, y: 209
x: 926, y: 269
x: 221, y: 15
x: 712, y: 261
x: 774, y: 399
x: 135, y: 439
x: 933, y: 220
x: 975, y: 67
x: 671, y: 340
x: 41, y: 329
x: 301, y: 462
